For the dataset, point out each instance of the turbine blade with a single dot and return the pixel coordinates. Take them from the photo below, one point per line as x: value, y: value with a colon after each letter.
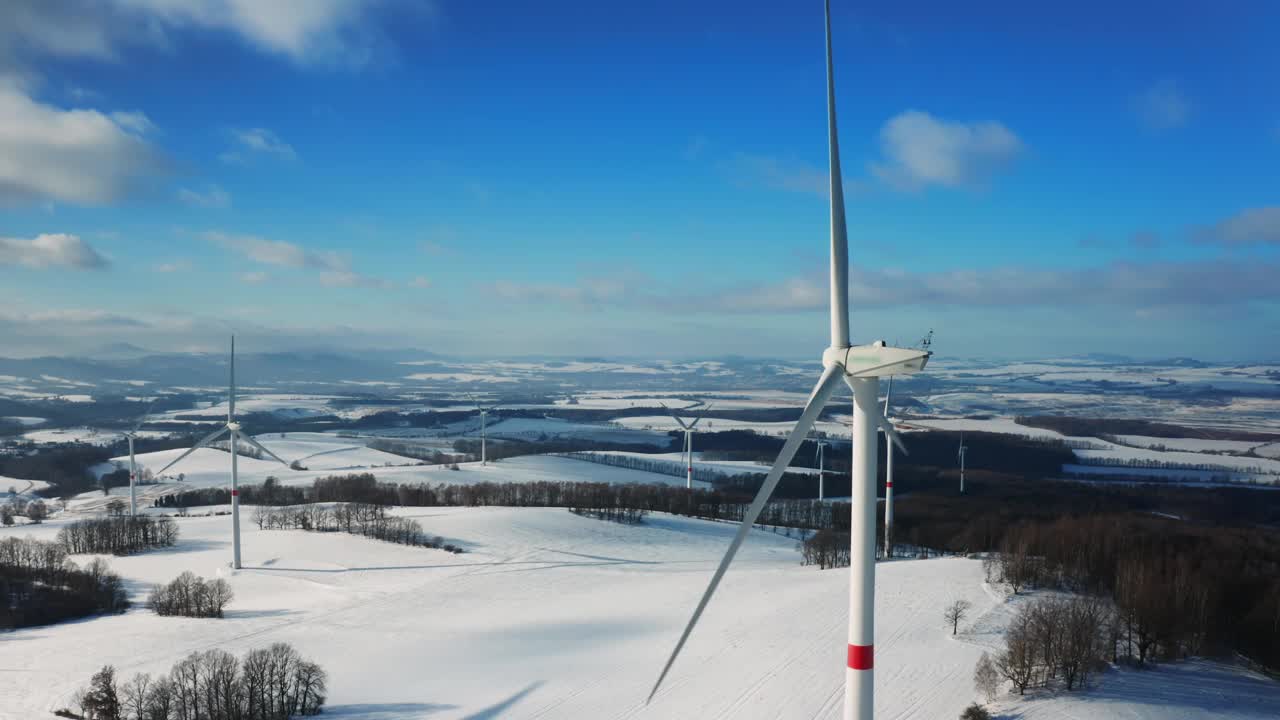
x: 207, y: 439
x: 839, y: 234
x: 263, y: 448
x: 889, y: 430
x: 888, y: 391
x: 698, y: 419
x: 817, y: 400
x: 673, y: 415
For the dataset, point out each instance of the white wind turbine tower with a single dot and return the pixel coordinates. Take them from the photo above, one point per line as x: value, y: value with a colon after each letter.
x: 130, y: 435
x: 821, y: 456
x: 861, y: 367
x: 232, y: 428
x: 687, y: 452
x: 484, y: 418
x: 888, y: 478
x: 960, y: 456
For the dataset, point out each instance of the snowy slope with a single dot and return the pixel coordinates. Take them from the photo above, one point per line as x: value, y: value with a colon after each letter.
x: 549, y: 615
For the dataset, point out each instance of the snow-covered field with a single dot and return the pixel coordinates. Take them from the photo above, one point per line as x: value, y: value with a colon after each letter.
x: 87, y: 435
x: 207, y: 467
x: 22, y: 489
x: 550, y: 615
x: 727, y: 467
x: 664, y: 423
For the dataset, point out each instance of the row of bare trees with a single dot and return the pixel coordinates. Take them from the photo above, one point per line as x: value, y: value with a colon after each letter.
x: 367, y: 519
x: 118, y: 535
x: 272, y: 683
x: 626, y: 516
x: 189, y: 595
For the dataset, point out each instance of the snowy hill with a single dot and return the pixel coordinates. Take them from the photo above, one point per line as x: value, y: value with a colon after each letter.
x: 551, y: 615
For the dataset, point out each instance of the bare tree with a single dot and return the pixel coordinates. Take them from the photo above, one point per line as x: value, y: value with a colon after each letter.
x: 986, y: 679
x: 954, y: 613
x: 1017, y: 663
x: 135, y: 696
x: 37, y: 511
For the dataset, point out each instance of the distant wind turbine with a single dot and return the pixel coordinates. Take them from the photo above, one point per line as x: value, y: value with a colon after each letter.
x: 861, y: 368
x: 484, y: 417
x: 133, y: 465
x: 687, y: 452
x: 960, y: 456
x: 232, y: 428
x: 821, y: 457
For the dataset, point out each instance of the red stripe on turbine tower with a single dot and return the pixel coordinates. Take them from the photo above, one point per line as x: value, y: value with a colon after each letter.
x: 234, y: 493
x: 860, y: 657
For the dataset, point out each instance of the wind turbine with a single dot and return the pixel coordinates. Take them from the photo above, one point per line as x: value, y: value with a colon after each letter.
x: 888, y: 479
x: 960, y: 455
x: 133, y: 466
x: 861, y: 368
x: 821, y: 456
x: 687, y: 452
x: 232, y: 428
x: 484, y: 415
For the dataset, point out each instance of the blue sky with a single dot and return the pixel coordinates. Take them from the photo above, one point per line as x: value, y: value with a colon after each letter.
x: 574, y: 178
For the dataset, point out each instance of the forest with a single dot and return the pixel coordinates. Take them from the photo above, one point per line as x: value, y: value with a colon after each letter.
x: 42, y: 586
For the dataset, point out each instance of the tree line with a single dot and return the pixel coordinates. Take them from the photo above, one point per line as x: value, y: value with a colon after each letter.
x: 1179, y: 589
x: 118, y: 535
x: 366, y: 519
x: 272, y: 683
x: 40, y: 585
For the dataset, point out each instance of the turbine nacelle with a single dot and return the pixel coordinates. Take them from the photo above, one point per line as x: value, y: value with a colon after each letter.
x: 876, y: 360
x: 233, y: 426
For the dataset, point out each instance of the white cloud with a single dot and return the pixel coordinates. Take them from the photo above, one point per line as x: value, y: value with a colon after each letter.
x: 1118, y: 284
x: 50, y: 250
x: 279, y: 252
x: 619, y: 290
x: 305, y: 31
x: 347, y: 278
x: 420, y: 282
x: 257, y: 141
x: 173, y: 266
x: 212, y: 197
x: 790, y: 175
x: 1163, y: 106
x: 920, y: 150
x: 74, y: 156
x: 1252, y: 226
x: 334, y: 267
x: 254, y: 278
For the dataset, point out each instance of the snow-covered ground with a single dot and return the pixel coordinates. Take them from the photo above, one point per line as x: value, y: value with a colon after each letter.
x: 550, y: 615
x: 1196, y: 445
x: 91, y: 436
x: 207, y: 467
x: 1003, y: 426
x: 22, y: 489
x: 727, y: 467
x: 1195, y: 690
x: 664, y: 423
